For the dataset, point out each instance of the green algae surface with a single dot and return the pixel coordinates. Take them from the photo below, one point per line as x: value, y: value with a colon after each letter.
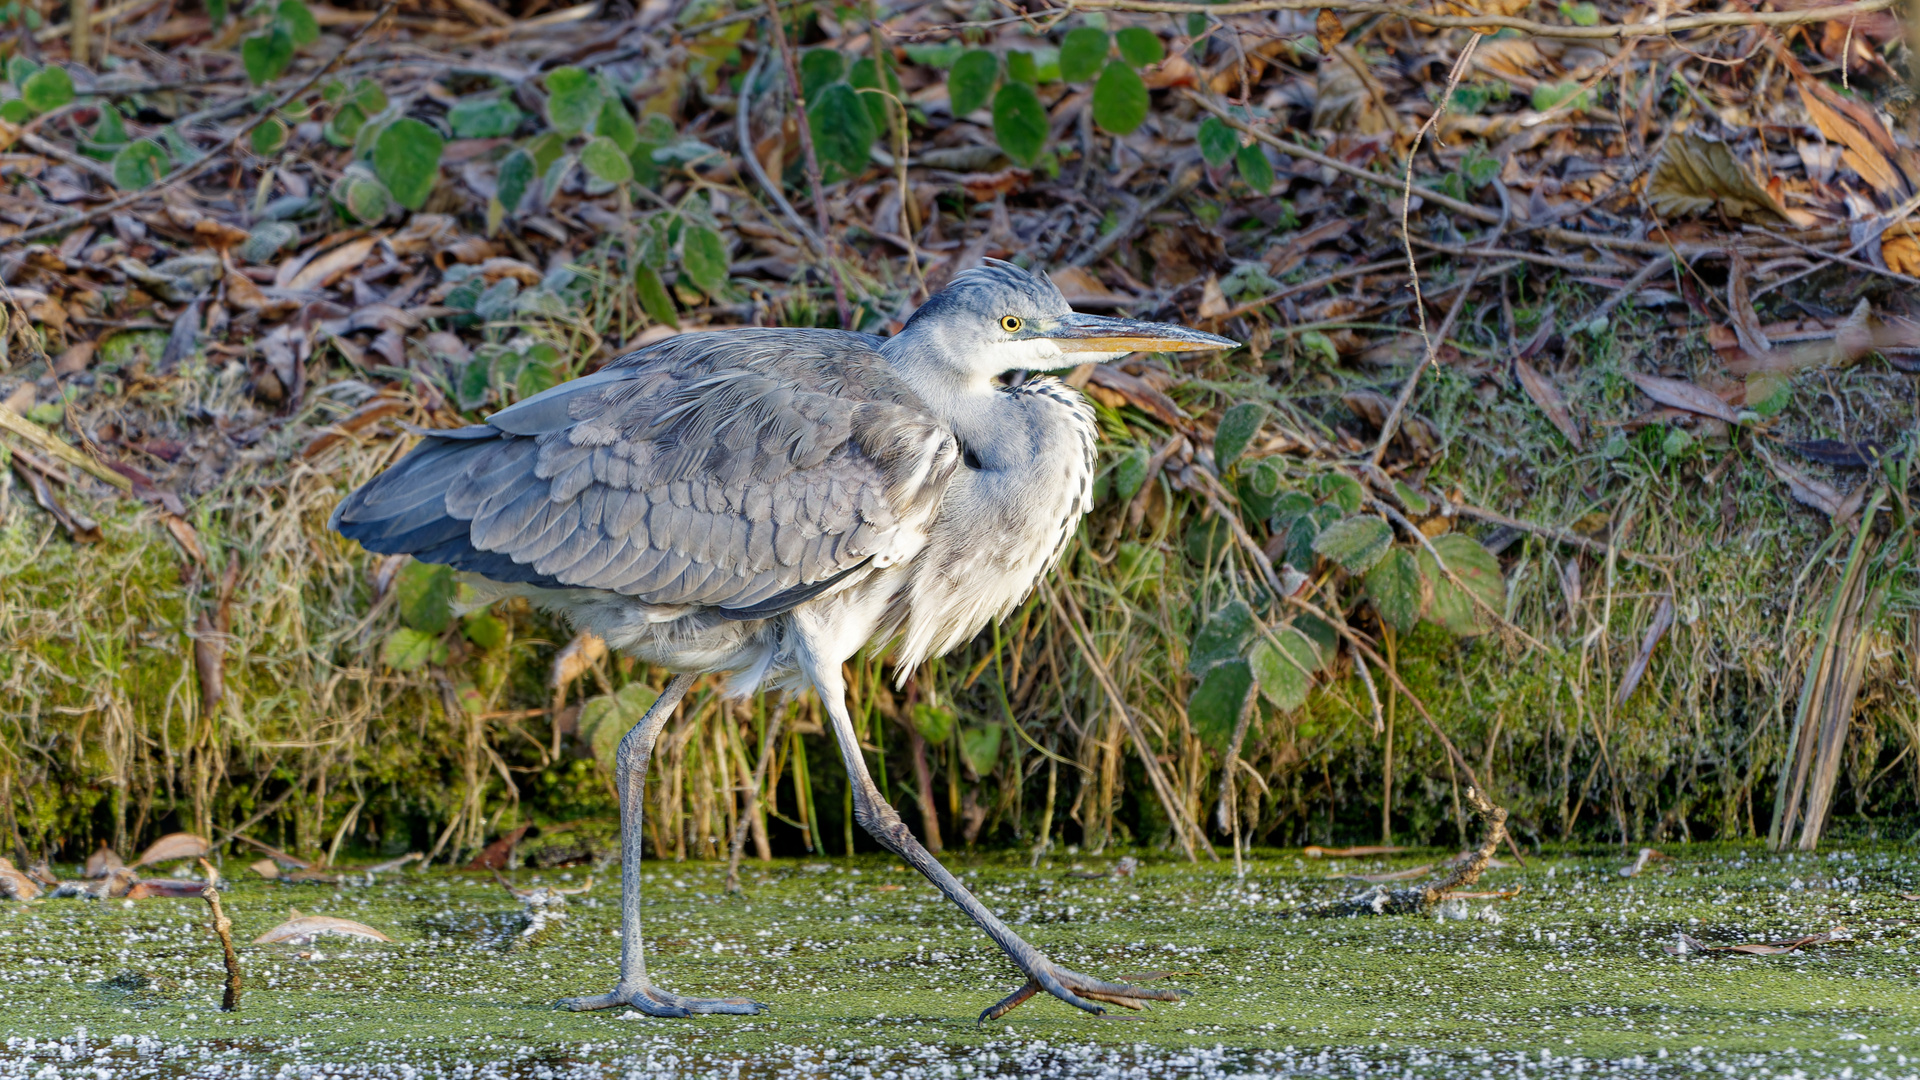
x: 870, y: 973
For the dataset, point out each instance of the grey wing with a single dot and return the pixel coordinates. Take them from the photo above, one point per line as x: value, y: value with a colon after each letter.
x: 746, y: 471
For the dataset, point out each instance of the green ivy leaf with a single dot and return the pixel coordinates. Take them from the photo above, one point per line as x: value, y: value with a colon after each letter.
x: 1218, y: 142
x: 1255, y: 169
x: 1120, y: 100
x: 138, y: 165
x: 484, y: 629
x: 363, y: 195
x: 47, y: 89
x: 268, y: 138
x: 216, y: 12
x: 1214, y: 708
x: 406, y: 158
x: 653, y: 296
x: 971, y: 81
x: 942, y: 56
x: 1223, y: 636
x: 604, y: 160
x: 934, y: 724
x: 1417, y: 504
x: 864, y: 76
x: 981, y: 747
x: 424, y: 593
x: 1356, y: 543
x: 1267, y: 476
x: 266, y: 55
x: 488, y: 116
x: 1580, y: 14
x: 20, y: 69
x: 407, y: 649
x: 1285, y: 671
x: 515, y: 176
x: 616, y: 123
x: 345, y: 124
x: 1549, y: 95
x: 704, y: 256
x: 605, y: 720
x: 843, y: 130
x: 1239, y: 426
x: 1207, y: 539
x: 820, y: 68
x: 1343, y: 491
x: 109, y: 130
x: 1140, y: 46
x: 293, y: 17
x: 1021, y: 68
x: 1020, y: 122
x: 15, y: 111
x: 573, y: 100
x: 1082, y: 52
x: 1130, y: 473
x: 1397, y: 590
x: 1453, y: 608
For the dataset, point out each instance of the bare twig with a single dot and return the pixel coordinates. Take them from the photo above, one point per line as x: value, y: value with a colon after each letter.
x: 223, y: 927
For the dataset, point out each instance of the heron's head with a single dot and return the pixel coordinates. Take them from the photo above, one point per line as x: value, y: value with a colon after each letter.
x: 998, y: 318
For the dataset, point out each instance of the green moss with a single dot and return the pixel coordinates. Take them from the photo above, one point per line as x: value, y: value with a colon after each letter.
x: 861, y: 953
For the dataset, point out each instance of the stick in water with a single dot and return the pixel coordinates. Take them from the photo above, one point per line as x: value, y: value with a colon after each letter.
x: 222, y: 926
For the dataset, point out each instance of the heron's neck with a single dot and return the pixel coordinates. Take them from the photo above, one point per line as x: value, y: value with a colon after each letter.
x: 954, y: 387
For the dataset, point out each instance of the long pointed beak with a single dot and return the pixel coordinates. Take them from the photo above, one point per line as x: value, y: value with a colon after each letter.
x: 1100, y: 334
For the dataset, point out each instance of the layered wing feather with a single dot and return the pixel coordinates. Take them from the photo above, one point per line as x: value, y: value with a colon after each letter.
x: 746, y: 470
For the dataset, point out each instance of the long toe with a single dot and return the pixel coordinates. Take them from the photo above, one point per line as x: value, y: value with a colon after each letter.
x: 638, y: 999
x: 732, y: 1006
x: 1080, y: 991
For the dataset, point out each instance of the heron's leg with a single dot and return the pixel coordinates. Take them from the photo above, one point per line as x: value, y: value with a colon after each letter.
x: 630, y: 776
x: 878, y: 818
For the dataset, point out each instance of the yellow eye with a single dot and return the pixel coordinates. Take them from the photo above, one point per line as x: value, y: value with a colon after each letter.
x: 1011, y: 323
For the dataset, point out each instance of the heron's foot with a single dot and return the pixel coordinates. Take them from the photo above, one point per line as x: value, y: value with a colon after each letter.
x: 653, y: 1001
x: 1080, y: 991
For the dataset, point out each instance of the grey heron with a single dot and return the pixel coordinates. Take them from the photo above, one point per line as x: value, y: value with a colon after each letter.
x: 763, y: 503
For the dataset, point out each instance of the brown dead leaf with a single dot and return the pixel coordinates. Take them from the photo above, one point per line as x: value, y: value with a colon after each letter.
x: 1548, y: 397
x: 218, y: 234
x: 326, y: 269
x: 1138, y: 393
x: 1693, y: 176
x: 1900, y: 247
x: 302, y: 929
x: 1680, y: 394
x: 496, y: 268
x: 984, y: 187
x: 374, y: 410
x: 574, y: 661
x: 266, y: 868
x: 1863, y: 152
x: 189, y: 540
x: 1213, y: 302
x: 1328, y: 30
x: 165, y: 889
x: 173, y: 846
x: 1807, y: 490
x: 1397, y: 875
x: 1175, y: 70
x: 1081, y: 289
x: 1314, y: 851
x: 74, y: 360
x: 102, y: 862
x: 1657, y: 629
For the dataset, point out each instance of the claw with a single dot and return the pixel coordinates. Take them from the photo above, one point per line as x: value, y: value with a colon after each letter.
x: 651, y: 1001
x: 1079, y: 991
